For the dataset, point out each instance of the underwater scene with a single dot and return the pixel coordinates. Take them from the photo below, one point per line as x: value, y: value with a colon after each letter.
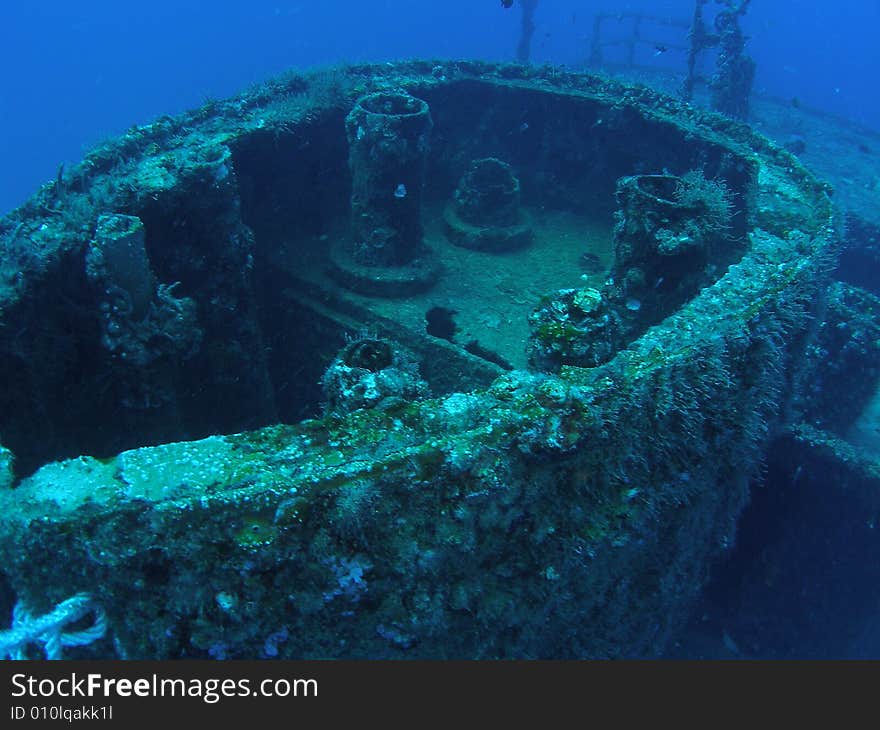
x: 481, y: 329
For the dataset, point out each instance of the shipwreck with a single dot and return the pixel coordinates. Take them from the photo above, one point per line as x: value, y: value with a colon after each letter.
x: 419, y: 360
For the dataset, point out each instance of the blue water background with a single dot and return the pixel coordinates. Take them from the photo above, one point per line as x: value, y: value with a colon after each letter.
x: 76, y: 72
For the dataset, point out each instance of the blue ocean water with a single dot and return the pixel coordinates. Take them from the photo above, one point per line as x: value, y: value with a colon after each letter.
x: 77, y: 72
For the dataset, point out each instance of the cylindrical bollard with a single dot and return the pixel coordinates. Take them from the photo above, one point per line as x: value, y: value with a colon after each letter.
x: 388, y: 135
x: 485, y: 212
x: 488, y: 194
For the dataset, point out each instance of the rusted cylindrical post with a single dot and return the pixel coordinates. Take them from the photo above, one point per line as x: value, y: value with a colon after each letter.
x: 388, y: 134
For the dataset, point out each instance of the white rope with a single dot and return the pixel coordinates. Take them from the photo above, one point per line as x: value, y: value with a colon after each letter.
x: 48, y: 630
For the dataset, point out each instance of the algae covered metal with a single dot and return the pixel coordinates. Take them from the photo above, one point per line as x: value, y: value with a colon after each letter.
x: 235, y: 427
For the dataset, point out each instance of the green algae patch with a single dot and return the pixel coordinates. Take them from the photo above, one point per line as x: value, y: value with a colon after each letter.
x: 186, y: 469
x: 64, y: 486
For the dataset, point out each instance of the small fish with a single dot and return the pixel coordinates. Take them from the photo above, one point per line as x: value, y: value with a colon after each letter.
x: 659, y: 50
x: 591, y: 263
x: 730, y: 644
x: 400, y: 192
x: 506, y: 3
